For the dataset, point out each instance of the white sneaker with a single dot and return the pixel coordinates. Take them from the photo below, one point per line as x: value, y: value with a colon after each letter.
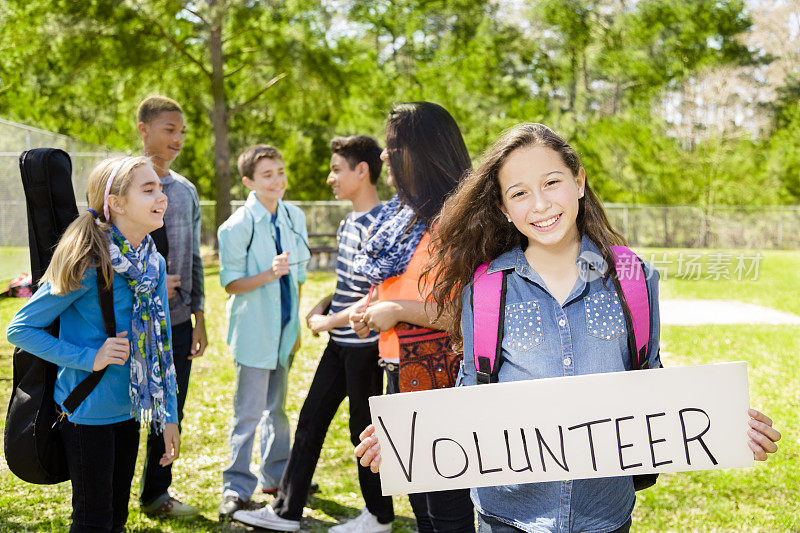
x: 266, y: 518
x: 366, y: 522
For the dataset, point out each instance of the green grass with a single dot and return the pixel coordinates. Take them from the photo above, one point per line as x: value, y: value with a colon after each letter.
x: 763, y: 498
x: 776, y: 284
x: 14, y: 260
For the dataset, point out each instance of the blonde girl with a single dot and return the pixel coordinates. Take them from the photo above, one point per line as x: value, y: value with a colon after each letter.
x: 101, y: 436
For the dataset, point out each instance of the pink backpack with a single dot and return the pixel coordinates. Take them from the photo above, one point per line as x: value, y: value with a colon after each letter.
x: 488, y: 317
x: 488, y: 320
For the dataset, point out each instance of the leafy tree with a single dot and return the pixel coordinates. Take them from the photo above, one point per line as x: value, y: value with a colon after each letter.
x: 219, y: 57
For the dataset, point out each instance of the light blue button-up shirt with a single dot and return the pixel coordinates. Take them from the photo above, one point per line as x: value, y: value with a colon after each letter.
x: 255, y: 335
x: 543, y: 339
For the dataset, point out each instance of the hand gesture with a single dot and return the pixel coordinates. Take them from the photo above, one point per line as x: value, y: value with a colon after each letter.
x: 382, y: 316
x: 369, y: 449
x: 280, y: 265
x: 357, y: 323
x: 173, y: 283
x: 172, y: 444
x: 114, y: 351
x: 199, y: 337
x: 762, y: 435
x: 317, y: 324
x: 318, y: 309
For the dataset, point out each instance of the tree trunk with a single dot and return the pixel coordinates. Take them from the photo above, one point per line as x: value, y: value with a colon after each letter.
x: 573, y: 86
x: 219, y: 121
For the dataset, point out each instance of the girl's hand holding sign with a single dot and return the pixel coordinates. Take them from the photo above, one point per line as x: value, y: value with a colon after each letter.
x: 762, y: 435
x: 369, y: 449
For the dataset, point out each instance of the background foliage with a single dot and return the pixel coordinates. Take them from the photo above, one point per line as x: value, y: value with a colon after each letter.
x: 624, y: 81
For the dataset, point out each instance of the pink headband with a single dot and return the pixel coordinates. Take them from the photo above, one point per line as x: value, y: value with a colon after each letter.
x: 113, y: 175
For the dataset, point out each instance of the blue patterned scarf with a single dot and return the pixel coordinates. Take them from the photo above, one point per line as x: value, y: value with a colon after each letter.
x: 393, y: 239
x: 152, y: 370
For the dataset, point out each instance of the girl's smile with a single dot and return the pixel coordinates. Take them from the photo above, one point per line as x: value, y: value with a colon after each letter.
x: 547, y: 224
x: 540, y: 196
x: 141, y: 209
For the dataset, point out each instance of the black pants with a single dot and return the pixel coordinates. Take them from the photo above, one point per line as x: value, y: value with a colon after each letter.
x: 101, y: 461
x: 446, y: 510
x: 156, y: 479
x: 350, y: 371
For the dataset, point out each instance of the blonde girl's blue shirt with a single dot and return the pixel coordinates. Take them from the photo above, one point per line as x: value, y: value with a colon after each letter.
x: 255, y: 335
x: 542, y: 339
x: 81, y: 334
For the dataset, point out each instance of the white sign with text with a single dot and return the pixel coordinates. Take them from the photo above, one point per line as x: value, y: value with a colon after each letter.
x: 600, y: 425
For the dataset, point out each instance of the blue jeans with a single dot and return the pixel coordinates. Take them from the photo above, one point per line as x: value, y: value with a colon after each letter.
x: 259, y: 401
x: 487, y: 524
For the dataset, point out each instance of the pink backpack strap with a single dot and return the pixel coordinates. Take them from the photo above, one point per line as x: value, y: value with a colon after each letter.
x: 636, y: 302
x: 488, y: 308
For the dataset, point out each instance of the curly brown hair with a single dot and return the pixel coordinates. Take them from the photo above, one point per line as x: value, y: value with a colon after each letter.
x: 472, y: 230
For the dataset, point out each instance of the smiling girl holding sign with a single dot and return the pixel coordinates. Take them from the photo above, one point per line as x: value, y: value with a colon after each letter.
x: 528, y: 210
x: 108, y: 247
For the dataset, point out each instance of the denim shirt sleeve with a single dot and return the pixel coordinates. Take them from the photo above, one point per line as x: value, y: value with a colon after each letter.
x: 467, y: 375
x: 27, y: 328
x: 233, y: 236
x: 653, y: 355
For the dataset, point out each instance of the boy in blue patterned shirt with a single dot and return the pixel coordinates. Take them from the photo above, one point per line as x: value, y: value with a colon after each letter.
x: 349, y: 365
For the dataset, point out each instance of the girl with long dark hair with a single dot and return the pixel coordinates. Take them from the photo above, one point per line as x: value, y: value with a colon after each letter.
x: 426, y: 158
x: 528, y: 210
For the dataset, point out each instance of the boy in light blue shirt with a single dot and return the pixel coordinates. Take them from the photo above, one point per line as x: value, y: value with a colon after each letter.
x: 263, y: 250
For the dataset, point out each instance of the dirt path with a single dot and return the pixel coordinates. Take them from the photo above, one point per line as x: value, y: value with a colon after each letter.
x: 699, y: 312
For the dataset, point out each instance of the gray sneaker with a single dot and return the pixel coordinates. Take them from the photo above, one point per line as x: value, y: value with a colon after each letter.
x: 171, y: 508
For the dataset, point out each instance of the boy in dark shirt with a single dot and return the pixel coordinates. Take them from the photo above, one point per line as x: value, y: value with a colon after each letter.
x: 160, y: 124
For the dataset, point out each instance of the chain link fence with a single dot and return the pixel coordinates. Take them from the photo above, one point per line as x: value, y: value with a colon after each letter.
x: 15, y: 139
x: 751, y: 227
x: 727, y: 227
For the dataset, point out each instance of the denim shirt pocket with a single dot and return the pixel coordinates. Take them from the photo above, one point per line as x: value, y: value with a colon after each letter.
x: 604, y: 316
x: 523, y: 326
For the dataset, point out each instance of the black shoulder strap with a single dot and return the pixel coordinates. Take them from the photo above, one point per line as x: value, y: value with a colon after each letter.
x: 160, y: 239
x: 252, y: 230
x: 85, y: 387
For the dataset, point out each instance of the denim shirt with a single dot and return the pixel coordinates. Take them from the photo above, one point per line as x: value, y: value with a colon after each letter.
x: 255, y: 335
x: 543, y: 339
